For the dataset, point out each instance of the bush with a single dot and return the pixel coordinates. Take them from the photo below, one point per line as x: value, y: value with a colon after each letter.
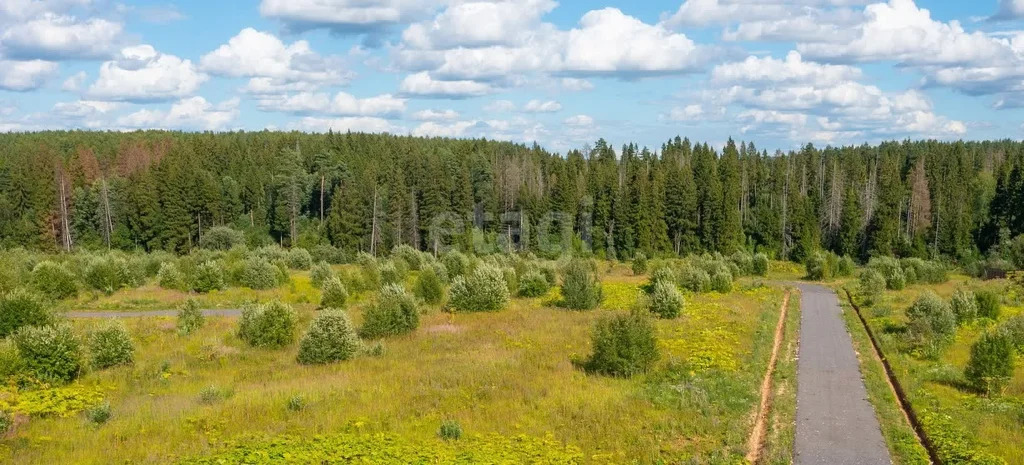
x: 369, y: 269
x: 334, y: 294
x: 1014, y: 330
x: 20, y: 308
x: 429, y: 286
x: 108, y: 274
x: 989, y: 304
x: 409, y: 255
x: 209, y: 277
x: 891, y: 270
x: 190, y: 317
x: 221, y: 238
x: 450, y: 430
x: 743, y: 262
x: 299, y: 259
x: 330, y: 338
x: 320, y: 273
x: 623, y: 345
x: 111, y: 345
x: 533, y: 284
x: 6, y: 422
x: 50, y: 353
x: 393, y: 313
x: 817, y: 267
x: 456, y: 263
x: 665, y: 301
x: 98, y: 414
x: 662, y: 275
x: 925, y: 271
x: 440, y: 270
x: 258, y: 273
x: 759, y: 264
x: 721, y: 282
x: 581, y: 290
x: 991, y: 364
x: 483, y: 290
x: 695, y: 279
x: 390, y: 273
x: 10, y: 360
x: 932, y: 323
x: 639, y: 264
x: 54, y: 280
x: 870, y: 287
x: 964, y: 305
x: 213, y: 394
x: 327, y: 253
x: 270, y: 325
x: 169, y: 277
x: 845, y: 266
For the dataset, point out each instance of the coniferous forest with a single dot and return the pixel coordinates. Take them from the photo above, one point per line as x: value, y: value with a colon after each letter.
x: 963, y: 201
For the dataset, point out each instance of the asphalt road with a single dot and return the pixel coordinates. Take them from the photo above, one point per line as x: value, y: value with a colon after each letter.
x: 835, y: 422
x: 142, y: 313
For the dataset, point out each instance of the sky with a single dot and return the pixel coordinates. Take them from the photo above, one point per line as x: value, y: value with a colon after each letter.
x: 559, y: 73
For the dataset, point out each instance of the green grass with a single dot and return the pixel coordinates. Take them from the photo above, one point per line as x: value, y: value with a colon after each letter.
x: 782, y: 415
x: 500, y: 375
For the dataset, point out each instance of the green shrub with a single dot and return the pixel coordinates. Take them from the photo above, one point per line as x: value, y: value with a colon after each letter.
x: 330, y: 338
x: 989, y: 304
x: 639, y: 264
x: 409, y: 255
x: 190, y: 317
x: 429, y: 286
x: 721, y: 282
x: 665, y: 301
x: 991, y: 364
x: 533, y: 284
x: 320, y: 273
x: 623, y: 345
x: 694, y: 279
x: 369, y: 270
x: 20, y: 308
x: 483, y: 290
x: 327, y: 253
x: 871, y: 286
x: 258, y: 273
x: 296, y: 403
x: 660, y: 275
x: 270, y: 325
x: 1014, y: 330
x: 450, y: 430
x: 6, y: 422
x: 441, y: 271
x: 209, y: 277
x: 55, y: 280
x: 221, y: 238
x: 299, y: 259
x: 743, y: 263
x: 845, y: 266
x: 213, y: 394
x: 759, y: 264
x: 891, y: 270
x: 581, y: 289
x: 98, y: 414
x: 108, y: 274
x: 390, y: 274
x: 50, y: 353
x: 393, y: 313
x: 964, y: 305
x: 456, y: 263
x: 10, y: 360
x: 111, y: 345
x: 932, y: 323
x: 817, y: 267
x: 334, y: 294
x: 925, y: 271
x: 550, y: 274
x: 169, y: 277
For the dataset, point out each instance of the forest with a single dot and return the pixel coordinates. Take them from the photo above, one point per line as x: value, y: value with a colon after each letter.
x: 962, y: 201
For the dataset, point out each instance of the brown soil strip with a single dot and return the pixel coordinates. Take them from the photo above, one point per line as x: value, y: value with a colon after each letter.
x: 756, y: 442
x: 895, y: 386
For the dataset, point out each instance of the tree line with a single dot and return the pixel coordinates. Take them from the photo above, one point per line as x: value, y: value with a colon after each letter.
x: 148, y: 190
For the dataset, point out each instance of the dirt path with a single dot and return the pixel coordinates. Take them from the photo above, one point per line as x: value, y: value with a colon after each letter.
x: 835, y: 423
x: 144, y: 313
x: 756, y: 442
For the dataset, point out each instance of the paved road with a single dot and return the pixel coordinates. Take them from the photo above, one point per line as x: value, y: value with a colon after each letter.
x: 835, y: 422
x: 127, y: 314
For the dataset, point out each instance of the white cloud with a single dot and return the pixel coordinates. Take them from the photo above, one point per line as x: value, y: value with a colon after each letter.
x: 575, y: 84
x: 342, y: 104
x: 579, y: 121
x: 478, y: 23
x: 435, y: 115
x: 189, y: 113
x: 263, y: 56
x: 1009, y: 9
x: 537, y: 106
x: 85, y: 108
x: 54, y: 37
x: 500, y: 106
x: 691, y: 112
x: 435, y: 129
x: 351, y: 123
x: 791, y: 70
x: 422, y: 84
x: 141, y: 73
x: 74, y: 82
x: 705, y: 12
x: 23, y: 76
x: 345, y: 16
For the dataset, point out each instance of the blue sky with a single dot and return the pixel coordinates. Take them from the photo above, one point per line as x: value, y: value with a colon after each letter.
x: 778, y: 73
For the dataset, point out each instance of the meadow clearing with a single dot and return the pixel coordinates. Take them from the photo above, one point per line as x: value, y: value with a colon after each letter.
x: 495, y: 386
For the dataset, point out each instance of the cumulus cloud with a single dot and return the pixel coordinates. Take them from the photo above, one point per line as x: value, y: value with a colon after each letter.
x: 74, y: 82
x: 143, y: 74
x: 191, y: 113
x: 345, y: 124
x: 538, y: 106
x: 579, y: 121
x: 274, y: 66
x: 54, y: 37
x: 575, y: 84
x: 688, y: 113
x: 791, y: 70
x: 21, y: 76
x: 1009, y: 10
x: 477, y: 24
x: 435, y: 115
x: 422, y: 84
x: 346, y: 16
x: 342, y: 104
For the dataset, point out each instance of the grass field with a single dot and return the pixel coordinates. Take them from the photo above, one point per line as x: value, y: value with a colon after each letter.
x: 499, y: 375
